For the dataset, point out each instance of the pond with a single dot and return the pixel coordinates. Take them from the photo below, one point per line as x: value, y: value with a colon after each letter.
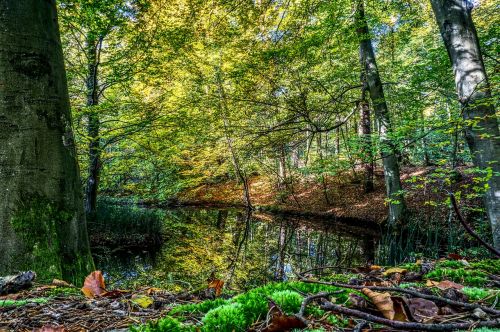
x: 184, y: 247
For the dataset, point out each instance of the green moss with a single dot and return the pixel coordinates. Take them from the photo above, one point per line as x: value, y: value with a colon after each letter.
x: 226, y: 318
x: 167, y: 324
x: 288, y: 301
x: 243, y: 310
x: 40, y: 225
x: 488, y: 265
x: 462, y: 276
x: 18, y: 303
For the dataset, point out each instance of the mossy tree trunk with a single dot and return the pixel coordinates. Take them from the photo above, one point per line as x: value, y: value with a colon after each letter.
x: 42, y: 223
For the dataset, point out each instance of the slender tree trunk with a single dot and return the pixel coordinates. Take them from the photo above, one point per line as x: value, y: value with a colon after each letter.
x: 42, y: 222
x: 240, y: 173
x: 389, y: 158
x: 474, y: 92
x: 365, y: 132
x: 93, y: 47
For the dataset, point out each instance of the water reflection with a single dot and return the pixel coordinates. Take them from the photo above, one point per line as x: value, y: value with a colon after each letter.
x: 243, y: 249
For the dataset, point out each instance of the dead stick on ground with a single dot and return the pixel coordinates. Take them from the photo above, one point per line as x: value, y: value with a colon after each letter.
x: 308, y: 300
x: 408, y: 325
x: 470, y: 306
x: 469, y: 229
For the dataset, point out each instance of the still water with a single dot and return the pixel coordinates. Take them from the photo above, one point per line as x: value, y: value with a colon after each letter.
x: 243, y: 249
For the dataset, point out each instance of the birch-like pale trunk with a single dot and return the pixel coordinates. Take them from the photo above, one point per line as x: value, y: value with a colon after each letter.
x: 474, y: 93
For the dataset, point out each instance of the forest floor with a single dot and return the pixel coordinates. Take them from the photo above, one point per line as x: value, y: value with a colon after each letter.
x: 346, y: 196
x: 443, y: 295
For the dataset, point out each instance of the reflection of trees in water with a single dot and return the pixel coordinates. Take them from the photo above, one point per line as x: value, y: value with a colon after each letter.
x: 246, y: 251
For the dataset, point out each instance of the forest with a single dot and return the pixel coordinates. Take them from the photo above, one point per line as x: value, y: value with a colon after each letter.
x: 249, y: 165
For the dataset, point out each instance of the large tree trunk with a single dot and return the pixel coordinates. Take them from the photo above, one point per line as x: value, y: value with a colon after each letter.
x: 93, y: 48
x: 390, y: 161
x: 474, y: 93
x: 42, y: 222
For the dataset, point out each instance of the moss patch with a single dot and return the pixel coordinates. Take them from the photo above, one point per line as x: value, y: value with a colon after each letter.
x: 40, y: 225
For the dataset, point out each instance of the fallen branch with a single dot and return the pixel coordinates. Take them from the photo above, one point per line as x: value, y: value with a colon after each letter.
x: 308, y: 300
x: 469, y: 229
x: 408, y: 325
x: 469, y: 306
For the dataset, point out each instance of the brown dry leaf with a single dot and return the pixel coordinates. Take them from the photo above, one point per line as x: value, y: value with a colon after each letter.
x: 61, y: 283
x: 399, y: 309
x: 396, y: 278
x: 431, y: 283
x: 445, y: 284
x: 383, y: 283
x: 375, y: 267
x: 217, y: 285
x: 358, y: 301
x: 422, y: 310
x: 154, y: 290
x: 382, y: 301
x: 280, y: 322
x: 94, y: 285
x: 394, y: 270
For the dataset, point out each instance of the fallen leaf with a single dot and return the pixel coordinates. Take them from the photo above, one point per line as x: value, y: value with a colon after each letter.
x: 358, y: 301
x: 431, y: 283
x: 61, y: 283
x: 456, y: 257
x: 217, y: 285
x: 445, y: 284
x: 422, y: 310
x: 394, y: 270
x: 142, y: 301
x: 280, y: 322
x: 399, y: 309
x: 396, y: 278
x: 382, y: 301
x: 114, y: 293
x: 94, y: 285
x: 375, y: 267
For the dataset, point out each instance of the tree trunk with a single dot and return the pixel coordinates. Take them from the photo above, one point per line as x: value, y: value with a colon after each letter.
x: 365, y: 132
x: 93, y: 47
x: 388, y: 151
x: 42, y: 222
x: 474, y: 92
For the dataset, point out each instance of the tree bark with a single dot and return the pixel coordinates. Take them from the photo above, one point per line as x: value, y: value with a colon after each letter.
x: 93, y: 126
x: 474, y: 93
x: 388, y: 150
x: 42, y: 222
x: 365, y: 133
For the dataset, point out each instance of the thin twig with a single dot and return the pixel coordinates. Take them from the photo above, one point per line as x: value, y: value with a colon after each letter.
x: 409, y: 325
x: 469, y: 229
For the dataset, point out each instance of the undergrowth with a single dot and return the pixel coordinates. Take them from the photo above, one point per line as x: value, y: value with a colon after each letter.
x: 239, y: 312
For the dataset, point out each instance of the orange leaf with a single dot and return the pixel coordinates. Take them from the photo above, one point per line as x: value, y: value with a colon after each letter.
x: 382, y: 301
x: 445, y: 284
x: 217, y: 285
x: 94, y: 285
